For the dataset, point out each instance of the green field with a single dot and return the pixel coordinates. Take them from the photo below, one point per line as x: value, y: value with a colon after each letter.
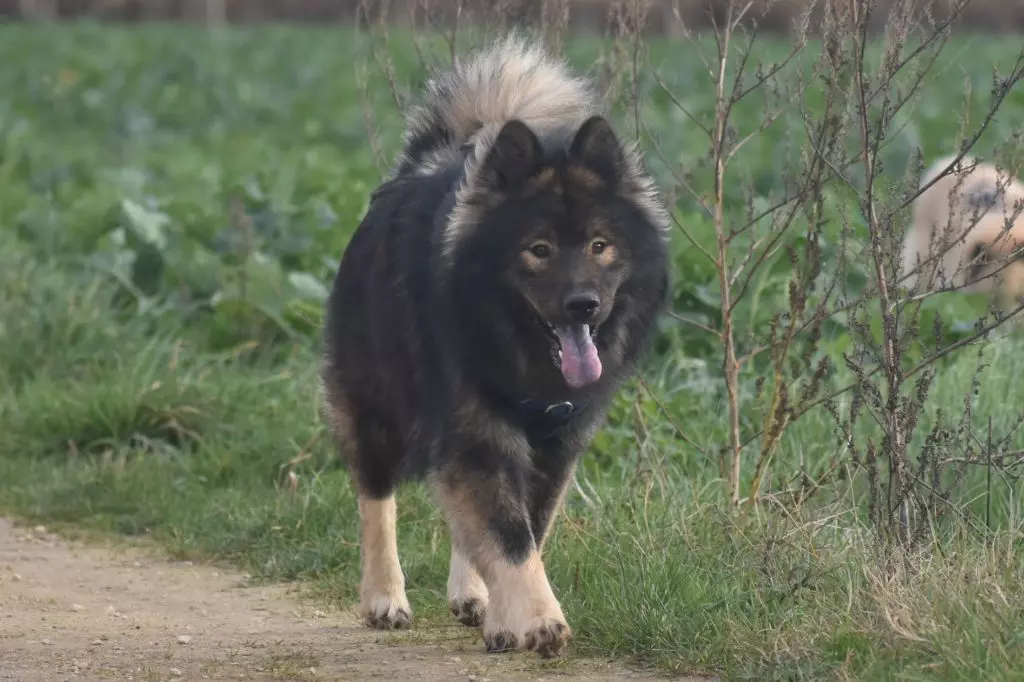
x: 172, y: 206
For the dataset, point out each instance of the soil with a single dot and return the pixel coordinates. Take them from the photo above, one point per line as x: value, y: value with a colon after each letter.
x: 92, y: 611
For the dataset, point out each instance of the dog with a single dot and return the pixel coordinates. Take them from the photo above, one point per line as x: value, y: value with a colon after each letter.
x: 505, y: 280
x: 966, y: 231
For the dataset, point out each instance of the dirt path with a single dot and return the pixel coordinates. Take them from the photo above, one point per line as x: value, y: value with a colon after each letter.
x: 70, y: 611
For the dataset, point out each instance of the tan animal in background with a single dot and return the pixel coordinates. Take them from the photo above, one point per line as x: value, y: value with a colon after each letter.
x: 967, y: 232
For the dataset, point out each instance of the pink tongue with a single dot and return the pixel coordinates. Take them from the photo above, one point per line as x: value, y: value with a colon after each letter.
x: 580, y: 362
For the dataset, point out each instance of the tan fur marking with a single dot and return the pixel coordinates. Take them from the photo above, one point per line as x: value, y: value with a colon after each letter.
x: 584, y: 178
x: 608, y: 255
x: 383, y: 602
x: 545, y: 181
x: 533, y: 262
x: 465, y: 586
x: 521, y: 603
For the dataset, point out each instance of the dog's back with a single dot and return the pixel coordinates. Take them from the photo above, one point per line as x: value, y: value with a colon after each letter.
x: 381, y: 355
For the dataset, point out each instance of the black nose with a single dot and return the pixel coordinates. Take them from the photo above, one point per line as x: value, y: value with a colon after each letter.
x: 582, y: 307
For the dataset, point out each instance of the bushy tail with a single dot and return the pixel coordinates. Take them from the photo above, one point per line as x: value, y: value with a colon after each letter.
x: 510, y: 79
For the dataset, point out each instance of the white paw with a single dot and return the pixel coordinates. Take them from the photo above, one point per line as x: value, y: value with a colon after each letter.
x: 545, y: 635
x: 523, y: 612
x: 386, y: 612
x: 469, y: 612
x: 467, y: 593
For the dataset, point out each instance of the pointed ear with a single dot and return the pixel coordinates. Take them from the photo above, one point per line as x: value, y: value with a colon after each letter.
x: 597, y: 148
x: 512, y: 159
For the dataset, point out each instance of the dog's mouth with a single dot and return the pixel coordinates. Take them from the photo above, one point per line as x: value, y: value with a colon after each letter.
x: 574, y: 352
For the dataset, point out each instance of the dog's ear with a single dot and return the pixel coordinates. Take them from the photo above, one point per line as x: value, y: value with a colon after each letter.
x: 512, y: 159
x: 597, y: 147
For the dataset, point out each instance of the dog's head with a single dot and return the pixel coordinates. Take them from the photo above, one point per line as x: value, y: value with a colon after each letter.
x: 572, y: 234
x: 996, y: 258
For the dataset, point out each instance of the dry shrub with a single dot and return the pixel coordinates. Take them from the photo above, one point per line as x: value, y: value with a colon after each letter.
x: 833, y: 189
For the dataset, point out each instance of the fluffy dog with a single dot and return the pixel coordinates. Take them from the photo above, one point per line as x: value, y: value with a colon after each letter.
x: 504, y: 282
x: 967, y: 229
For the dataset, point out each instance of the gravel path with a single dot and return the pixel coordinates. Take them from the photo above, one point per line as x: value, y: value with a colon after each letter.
x: 73, y: 611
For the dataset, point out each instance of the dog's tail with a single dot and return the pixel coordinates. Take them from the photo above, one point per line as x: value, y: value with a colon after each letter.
x: 468, y: 105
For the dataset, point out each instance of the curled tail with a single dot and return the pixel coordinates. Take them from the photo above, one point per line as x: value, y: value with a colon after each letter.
x: 510, y: 79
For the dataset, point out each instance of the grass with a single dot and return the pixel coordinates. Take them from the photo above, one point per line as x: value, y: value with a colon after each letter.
x: 160, y: 358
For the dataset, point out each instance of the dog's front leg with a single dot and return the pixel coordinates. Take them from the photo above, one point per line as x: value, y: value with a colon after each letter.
x: 488, y: 512
x: 554, y: 467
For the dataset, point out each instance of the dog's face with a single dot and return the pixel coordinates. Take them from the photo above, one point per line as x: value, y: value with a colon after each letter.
x: 564, y: 236
x: 996, y: 259
x: 569, y: 269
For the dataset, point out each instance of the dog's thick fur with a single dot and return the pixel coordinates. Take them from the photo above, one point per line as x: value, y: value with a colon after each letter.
x: 504, y: 282
x: 967, y: 229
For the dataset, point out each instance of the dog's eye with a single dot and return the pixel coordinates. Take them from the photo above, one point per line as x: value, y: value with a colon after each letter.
x: 540, y: 250
x: 598, y: 246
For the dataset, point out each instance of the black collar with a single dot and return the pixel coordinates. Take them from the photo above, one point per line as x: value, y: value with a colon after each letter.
x: 540, y: 420
x: 543, y: 421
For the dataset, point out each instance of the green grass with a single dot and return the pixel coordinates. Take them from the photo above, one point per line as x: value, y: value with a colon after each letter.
x: 148, y: 391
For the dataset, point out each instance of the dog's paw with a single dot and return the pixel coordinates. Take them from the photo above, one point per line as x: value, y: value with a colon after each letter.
x: 500, y: 641
x: 469, y: 611
x: 546, y: 636
x: 386, y: 613
x: 467, y: 593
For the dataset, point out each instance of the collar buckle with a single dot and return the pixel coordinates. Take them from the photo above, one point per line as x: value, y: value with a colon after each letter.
x: 560, y: 410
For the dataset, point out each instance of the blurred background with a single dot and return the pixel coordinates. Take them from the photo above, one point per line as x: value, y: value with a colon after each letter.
x: 987, y: 15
